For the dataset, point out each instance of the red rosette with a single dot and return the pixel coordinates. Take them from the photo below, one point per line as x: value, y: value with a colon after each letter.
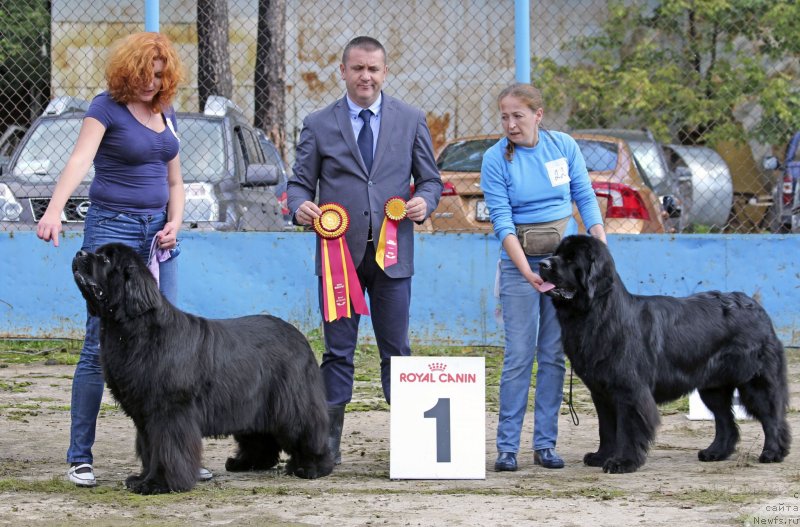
x: 333, y: 222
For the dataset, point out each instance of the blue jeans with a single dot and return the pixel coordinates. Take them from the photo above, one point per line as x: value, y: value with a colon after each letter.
x: 531, y: 327
x: 105, y: 226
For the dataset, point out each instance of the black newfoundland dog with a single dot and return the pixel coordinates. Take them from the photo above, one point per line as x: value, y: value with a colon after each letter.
x: 634, y: 352
x: 181, y: 378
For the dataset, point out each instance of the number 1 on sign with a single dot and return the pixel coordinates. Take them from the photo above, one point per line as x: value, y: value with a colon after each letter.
x: 441, y: 412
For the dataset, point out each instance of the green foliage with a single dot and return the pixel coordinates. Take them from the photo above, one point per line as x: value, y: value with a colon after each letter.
x: 24, y: 48
x: 26, y: 28
x: 683, y: 69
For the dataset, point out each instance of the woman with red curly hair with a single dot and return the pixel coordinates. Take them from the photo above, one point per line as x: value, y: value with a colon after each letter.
x: 137, y: 198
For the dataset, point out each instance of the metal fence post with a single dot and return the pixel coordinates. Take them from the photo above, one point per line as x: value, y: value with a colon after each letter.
x: 522, y: 40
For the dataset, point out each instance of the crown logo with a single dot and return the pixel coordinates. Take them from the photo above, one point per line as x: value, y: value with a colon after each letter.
x: 437, y: 366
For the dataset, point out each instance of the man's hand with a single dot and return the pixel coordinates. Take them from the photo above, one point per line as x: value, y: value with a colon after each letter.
x: 307, y: 212
x: 417, y: 209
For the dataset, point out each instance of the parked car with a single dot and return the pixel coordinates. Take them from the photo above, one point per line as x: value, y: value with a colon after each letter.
x: 274, y: 158
x: 229, y: 183
x: 9, y: 140
x: 784, y: 197
x: 672, y: 185
x: 628, y: 205
x: 796, y: 210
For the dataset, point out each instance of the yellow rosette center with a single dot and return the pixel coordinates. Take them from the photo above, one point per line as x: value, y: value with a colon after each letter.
x: 395, y: 209
x: 333, y: 221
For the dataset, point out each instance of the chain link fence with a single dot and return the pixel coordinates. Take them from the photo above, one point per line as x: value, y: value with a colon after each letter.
x: 677, y: 105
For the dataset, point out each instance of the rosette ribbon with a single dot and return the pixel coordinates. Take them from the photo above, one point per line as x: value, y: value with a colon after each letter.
x: 341, y: 290
x: 394, y: 212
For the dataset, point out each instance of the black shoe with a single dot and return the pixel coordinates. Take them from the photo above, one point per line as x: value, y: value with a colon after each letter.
x: 548, y: 458
x: 506, y: 462
x: 336, y: 418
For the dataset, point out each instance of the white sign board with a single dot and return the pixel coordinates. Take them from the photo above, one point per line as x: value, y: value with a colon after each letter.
x: 438, y: 418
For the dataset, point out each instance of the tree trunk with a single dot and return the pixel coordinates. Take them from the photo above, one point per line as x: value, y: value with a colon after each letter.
x: 213, y: 65
x: 270, y: 72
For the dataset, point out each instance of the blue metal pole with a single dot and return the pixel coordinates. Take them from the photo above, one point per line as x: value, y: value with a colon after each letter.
x: 522, y: 40
x: 151, y: 15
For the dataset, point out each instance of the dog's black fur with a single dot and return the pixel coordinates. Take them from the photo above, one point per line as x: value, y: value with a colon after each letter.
x: 634, y: 352
x: 182, y: 377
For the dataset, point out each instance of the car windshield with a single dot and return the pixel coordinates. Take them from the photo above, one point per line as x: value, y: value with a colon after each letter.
x: 45, y: 154
x: 202, y: 150
x: 464, y: 156
x: 600, y: 156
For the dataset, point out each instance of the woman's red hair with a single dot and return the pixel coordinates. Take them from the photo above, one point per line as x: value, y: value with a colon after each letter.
x: 130, y: 68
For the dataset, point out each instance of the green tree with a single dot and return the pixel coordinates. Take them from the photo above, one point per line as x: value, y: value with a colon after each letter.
x: 24, y: 59
x: 682, y: 68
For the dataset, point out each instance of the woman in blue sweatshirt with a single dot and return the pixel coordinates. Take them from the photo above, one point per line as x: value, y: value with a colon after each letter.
x: 532, y: 176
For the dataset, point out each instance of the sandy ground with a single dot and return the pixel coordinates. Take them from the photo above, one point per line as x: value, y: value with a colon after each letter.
x: 673, y: 488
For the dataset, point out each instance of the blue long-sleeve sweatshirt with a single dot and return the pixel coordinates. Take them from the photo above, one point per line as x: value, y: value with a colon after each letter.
x: 538, y: 185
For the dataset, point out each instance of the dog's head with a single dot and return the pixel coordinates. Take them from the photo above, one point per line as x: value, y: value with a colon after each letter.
x: 115, y: 282
x: 580, y: 270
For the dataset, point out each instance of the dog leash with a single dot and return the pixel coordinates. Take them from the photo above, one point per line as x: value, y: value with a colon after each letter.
x: 572, y: 413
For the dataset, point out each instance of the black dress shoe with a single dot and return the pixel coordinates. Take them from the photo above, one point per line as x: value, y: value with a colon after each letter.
x: 548, y: 458
x: 506, y: 462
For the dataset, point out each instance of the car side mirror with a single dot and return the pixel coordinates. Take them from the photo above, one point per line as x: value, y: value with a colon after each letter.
x: 258, y: 175
x: 770, y: 163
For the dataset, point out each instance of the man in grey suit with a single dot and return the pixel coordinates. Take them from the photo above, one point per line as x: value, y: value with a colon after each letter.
x: 360, y: 151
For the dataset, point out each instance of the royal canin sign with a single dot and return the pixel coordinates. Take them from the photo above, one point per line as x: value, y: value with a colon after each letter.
x: 437, y: 374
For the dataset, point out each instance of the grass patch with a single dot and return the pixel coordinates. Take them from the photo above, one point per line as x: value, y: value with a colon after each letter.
x: 714, y: 496
x: 30, y: 351
x: 678, y: 406
x: 14, y: 386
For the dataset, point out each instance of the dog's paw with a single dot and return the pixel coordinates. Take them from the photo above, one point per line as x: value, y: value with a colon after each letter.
x: 595, y: 459
x: 312, y: 468
x: 770, y: 456
x: 235, y: 464
x: 619, y: 466
x: 132, y: 480
x: 304, y: 472
x: 146, y: 486
x: 243, y: 464
x: 713, y: 455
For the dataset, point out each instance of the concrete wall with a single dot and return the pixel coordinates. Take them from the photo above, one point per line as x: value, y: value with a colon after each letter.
x: 232, y: 274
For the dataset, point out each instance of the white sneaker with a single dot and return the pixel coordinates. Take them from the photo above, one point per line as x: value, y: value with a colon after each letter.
x: 82, y: 477
x: 203, y: 474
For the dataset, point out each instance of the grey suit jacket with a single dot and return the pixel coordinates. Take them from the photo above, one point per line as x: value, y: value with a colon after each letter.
x: 327, y: 156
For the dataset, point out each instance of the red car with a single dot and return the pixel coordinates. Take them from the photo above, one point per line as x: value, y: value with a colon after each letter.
x: 628, y: 205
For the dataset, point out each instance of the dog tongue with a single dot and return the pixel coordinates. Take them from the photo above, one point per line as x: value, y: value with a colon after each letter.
x: 547, y: 286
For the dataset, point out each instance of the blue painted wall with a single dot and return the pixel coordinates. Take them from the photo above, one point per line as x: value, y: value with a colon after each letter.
x: 232, y: 274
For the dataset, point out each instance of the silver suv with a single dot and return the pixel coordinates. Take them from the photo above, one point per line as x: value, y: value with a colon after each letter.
x: 229, y: 180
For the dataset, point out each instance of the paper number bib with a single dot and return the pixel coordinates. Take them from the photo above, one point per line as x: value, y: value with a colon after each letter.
x: 557, y: 171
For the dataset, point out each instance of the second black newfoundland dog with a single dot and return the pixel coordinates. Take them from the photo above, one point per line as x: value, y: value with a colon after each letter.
x: 634, y: 352
x: 181, y: 378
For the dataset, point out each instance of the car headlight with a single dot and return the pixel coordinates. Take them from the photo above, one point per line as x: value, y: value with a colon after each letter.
x: 10, y: 209
x: 201, y: 203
